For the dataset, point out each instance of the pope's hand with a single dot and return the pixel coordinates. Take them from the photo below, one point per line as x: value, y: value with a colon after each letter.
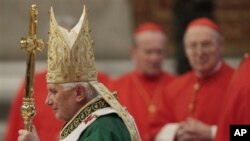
x: 25, y: 135
x: 194, y: 130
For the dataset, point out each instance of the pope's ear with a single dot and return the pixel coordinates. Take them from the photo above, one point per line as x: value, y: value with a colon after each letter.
x: 80, y: 93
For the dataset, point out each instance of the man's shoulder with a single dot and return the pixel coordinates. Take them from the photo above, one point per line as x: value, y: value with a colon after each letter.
x: 245, y: 65
x: 241, y: 78
x: 169, y: 76
x: 40, y: 78
x: 108, y: 127
x: 41, y: 73
x: 124, y: 78
x: 183, y: 79
x: 108, y: 121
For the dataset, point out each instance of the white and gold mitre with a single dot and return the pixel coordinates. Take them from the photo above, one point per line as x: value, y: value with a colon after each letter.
x: 70, y: 53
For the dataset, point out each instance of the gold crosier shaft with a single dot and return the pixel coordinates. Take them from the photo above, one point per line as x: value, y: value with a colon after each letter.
x: 31, y: 45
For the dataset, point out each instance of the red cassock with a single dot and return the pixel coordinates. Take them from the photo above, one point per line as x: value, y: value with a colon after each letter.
x: 237, y: 103
x: 47, y: 126
x: 140, y: 94
x: 189, y: 96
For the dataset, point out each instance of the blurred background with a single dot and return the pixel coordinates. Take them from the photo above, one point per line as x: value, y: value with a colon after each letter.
x: 112, y: 23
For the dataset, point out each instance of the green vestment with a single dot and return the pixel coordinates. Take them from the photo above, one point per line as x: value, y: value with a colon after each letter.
x: 106, y: 128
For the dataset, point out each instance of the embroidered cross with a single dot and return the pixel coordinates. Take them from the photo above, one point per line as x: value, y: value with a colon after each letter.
x: 88, y: 119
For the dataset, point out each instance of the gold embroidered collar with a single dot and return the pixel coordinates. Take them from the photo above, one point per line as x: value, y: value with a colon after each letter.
x: 92, y: 106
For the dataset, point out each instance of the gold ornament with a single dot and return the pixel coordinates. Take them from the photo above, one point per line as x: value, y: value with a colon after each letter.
x: 31, y: 45
x: 152, y: 108
x: 70, y: 62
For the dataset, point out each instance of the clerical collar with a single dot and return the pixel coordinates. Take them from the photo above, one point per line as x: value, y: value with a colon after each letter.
x: 214, y: 71
x: 217, y: 71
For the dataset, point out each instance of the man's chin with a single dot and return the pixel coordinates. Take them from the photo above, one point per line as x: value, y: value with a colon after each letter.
x: 58, y: 117
x: 152, y: 73
x: 203, y: 72
x: 201, y: 68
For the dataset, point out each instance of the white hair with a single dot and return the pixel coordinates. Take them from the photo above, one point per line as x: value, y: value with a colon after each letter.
x: 90, y: 91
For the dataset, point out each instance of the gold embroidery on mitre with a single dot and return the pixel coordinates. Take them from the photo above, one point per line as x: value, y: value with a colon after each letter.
x: 70, y: 63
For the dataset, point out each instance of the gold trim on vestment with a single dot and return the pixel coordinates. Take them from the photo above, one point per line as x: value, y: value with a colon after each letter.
x: 92, y: 106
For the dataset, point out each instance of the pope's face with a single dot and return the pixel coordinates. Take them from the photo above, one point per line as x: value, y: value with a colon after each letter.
x: 203, y: 47
x: 148, y: 54
x: 61, y: 101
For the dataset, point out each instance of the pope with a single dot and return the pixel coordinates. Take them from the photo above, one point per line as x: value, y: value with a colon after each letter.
x: 90, y: 110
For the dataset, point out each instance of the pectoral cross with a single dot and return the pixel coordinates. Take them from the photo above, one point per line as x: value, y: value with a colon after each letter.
x: 31, y: 45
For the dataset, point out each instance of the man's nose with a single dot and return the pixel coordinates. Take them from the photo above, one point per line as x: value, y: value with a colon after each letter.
x: 48, y: 100
x: 155, y: 57
x: 199, y: 50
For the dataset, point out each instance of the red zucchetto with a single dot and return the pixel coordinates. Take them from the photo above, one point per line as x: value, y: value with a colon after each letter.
x: 203, y: 21
x: 149, y: 26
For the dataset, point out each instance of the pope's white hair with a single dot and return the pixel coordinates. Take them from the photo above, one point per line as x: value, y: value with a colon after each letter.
x: 90, y: 91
